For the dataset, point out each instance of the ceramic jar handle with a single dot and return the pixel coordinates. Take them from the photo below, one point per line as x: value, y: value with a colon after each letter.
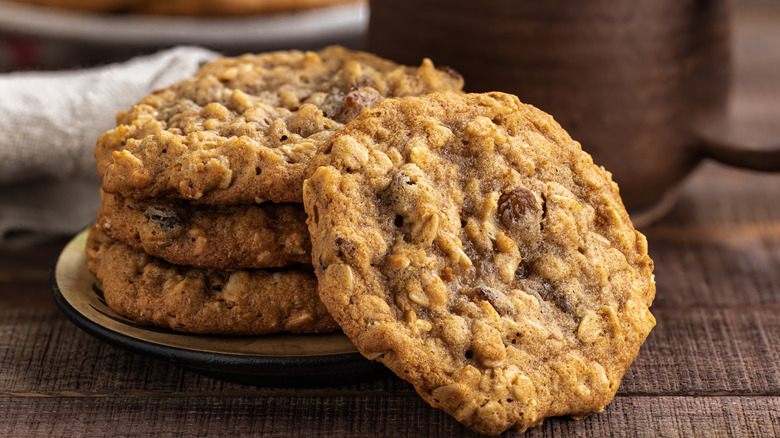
x: 740, y: 155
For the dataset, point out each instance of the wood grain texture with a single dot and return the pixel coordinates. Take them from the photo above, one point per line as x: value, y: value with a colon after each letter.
x: 389, y: 416
x: 717, y: 274
x: 709, y: 352
x: 690, y: 352
x: 717, y: 196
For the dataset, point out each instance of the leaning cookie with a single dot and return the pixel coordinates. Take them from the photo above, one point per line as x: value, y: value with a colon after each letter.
x: 242, y: 302
x: 243, y: 129
x: 469, y: 244
x: 266, y: 235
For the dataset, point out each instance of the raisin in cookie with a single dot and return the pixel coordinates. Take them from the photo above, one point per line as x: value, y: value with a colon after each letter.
x: 266, y: 235
x: 241, y: 302
x: 243, y: 129
x: 469, y: 244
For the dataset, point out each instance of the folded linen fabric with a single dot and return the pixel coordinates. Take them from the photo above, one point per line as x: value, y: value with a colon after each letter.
x: 49, y: 122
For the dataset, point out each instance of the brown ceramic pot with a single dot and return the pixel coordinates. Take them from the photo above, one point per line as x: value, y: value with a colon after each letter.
x: 631, y: 80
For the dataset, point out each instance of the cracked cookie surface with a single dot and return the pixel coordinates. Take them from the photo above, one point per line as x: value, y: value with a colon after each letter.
x: 243, y: 129
x: 207, y: 301
x: 266, y: 235
x: 469, y: 244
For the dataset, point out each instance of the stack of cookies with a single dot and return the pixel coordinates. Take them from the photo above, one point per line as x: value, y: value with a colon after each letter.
x: 201, y: 226
x: 463, y: 240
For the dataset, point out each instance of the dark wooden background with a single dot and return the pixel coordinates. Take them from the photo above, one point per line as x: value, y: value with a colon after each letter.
x: 709, y: 368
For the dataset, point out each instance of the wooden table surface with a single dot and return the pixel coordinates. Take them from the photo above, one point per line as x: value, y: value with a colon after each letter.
x: 709, y: 368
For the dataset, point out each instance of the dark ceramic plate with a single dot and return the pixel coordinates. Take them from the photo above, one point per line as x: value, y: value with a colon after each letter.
x: 283, y: 359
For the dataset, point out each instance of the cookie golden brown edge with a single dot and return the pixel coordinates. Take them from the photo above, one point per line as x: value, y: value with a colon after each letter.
x: 243, y: 129
x: 151, y: 291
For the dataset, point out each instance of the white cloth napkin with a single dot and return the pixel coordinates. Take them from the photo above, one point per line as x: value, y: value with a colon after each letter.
x: 49, y: 122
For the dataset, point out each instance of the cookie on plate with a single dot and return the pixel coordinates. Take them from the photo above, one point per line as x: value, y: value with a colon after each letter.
x: 469, y: 244
x: 266, y: 235
x: 207, y: 301
x: 243, y: 129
